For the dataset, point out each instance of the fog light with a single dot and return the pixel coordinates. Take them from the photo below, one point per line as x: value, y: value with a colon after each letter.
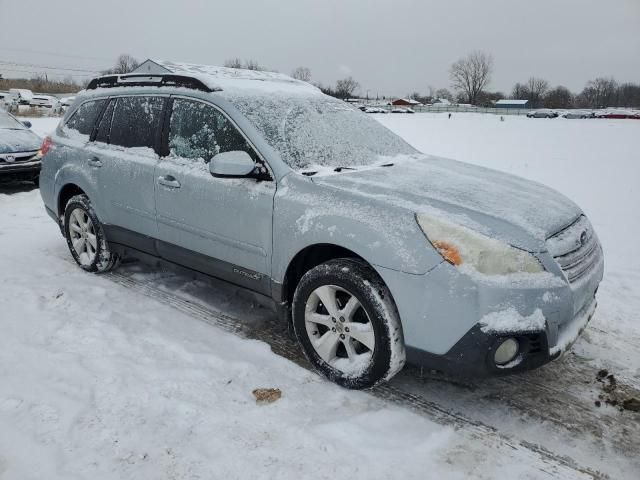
x: 506, y: 352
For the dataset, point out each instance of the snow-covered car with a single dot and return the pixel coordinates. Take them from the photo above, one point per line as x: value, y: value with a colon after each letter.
x: 49, y: 103
x: 67, y: 101
x: 19, y: 156
x: 375, y: 110
x: 617, y: 113
x: 377, y: 253
x: 542, y: 113
x: 402, y: 110
x: 574, y: 114
x: 20, y: 96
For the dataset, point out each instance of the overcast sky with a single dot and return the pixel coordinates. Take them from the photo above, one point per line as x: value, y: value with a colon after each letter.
x: 390, y: 46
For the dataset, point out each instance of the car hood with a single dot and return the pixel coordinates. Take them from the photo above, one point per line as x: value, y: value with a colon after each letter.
x: 519, y: 211
x: 18, y: 140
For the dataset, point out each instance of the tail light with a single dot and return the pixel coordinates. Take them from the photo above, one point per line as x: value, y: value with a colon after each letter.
x: 47, y: 143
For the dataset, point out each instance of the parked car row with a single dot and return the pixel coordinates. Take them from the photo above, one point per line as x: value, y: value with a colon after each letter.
x: 18, y: 98
x: 582, y: 114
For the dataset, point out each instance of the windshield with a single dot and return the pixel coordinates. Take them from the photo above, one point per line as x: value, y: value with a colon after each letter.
x: 313, y: 131
x: 7, y: 121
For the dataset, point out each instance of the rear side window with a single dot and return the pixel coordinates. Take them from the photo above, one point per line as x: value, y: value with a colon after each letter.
x: 84, y: 118
x: 199, y: 131
x: 136, y: 121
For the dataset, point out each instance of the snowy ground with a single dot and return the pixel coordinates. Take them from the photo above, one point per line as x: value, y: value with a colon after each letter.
x: 116, y: 377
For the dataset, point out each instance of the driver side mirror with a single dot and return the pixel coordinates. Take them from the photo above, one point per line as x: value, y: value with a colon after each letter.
x: 235, y: 164
x: 27, y: 123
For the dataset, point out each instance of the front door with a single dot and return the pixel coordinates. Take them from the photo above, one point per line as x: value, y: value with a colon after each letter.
x: 218, y: 226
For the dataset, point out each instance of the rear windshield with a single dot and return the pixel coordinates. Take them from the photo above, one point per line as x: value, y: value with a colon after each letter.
x: 318, y: 130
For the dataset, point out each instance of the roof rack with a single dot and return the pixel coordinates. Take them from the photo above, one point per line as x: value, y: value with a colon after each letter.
x: 156, y: 80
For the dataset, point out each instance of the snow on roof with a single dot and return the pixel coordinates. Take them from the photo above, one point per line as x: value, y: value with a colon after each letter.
x: 410, y: 101
x: 506, y: 101
x: 225, y: 78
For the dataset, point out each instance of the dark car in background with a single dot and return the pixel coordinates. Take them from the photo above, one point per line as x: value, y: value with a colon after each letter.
x: 19, y: 149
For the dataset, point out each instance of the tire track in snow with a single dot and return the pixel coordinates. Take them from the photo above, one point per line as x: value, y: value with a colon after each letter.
x: 282, y: 343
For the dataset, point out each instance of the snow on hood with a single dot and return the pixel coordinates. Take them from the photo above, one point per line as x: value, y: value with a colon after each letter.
x: 18, y: 140
x: 522, y: 212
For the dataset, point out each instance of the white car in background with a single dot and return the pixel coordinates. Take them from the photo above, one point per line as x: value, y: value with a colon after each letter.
x: 66, y: 102
x: 48, y: 103
x: 573, y: 114
x: 20, y: 96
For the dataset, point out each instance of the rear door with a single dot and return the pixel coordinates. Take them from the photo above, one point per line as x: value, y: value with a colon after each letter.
x: 124, y: 155
x: 218, y: 226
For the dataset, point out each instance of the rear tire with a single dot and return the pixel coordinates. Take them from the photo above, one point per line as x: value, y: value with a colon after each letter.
x: 355, y: 340
x: 85, y: 237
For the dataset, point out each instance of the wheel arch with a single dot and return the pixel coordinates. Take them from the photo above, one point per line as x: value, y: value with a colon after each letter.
x: 68, y: 191
x: 309, y: 257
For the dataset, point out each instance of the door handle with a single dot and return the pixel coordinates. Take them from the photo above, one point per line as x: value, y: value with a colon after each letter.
x: 169, y: 181
x: 94, y: 162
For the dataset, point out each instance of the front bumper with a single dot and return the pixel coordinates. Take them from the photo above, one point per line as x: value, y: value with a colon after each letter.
x: 31, y: 167
x: 441, y: 314
x: 473, y: 354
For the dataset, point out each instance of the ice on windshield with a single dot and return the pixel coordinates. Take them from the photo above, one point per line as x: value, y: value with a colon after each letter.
x: 311, y: 131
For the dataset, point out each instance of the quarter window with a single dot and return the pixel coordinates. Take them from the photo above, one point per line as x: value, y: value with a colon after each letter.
x: 84, y: 118
x: 136, y: 121
x: 199, y: 131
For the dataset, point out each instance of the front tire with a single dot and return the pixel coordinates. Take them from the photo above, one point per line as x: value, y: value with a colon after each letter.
x: 85, y: 237
x: 347, y: 324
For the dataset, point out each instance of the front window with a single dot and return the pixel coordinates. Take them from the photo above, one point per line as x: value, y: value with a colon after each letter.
x: 319, y: 131
x: 199, y: 131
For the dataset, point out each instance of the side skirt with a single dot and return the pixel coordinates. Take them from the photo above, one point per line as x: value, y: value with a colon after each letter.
x: 181, y: 260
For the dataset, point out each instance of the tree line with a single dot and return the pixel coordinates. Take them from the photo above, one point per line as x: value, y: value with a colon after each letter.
x: 470, y: 78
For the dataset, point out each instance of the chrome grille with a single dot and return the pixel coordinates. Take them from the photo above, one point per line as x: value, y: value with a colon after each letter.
x: 17, y: 157
x: 576, y: 249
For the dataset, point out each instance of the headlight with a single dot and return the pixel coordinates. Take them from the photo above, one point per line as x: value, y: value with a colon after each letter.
x: 464, y: 247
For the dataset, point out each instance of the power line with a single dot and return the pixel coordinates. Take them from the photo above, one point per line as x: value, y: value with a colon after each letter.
x: 42, y: 52
x: 31, y: 65
x: 48, y: 73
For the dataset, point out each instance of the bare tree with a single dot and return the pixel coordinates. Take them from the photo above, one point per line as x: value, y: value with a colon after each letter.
x: 346, y: 87
x: 470, y: 75
x: 603, y: 91
x: 233, y: 63
x: 252, y: 64
x: 537, y: 88
x: 559, y: 97
x: 444, y: 93
x: 629, y: 95
x: 520, y: 92
x: 248, y: 64
x: 302, y: 73
x: 125, y: 64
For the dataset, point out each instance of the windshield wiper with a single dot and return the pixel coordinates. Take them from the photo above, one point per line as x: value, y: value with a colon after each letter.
x: 339, y: 169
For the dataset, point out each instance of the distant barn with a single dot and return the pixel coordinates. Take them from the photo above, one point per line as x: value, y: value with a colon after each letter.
x: 505, y: 103
x: 406, y: 102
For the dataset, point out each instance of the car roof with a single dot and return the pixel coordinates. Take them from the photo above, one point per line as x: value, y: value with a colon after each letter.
x: 208, y: 78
